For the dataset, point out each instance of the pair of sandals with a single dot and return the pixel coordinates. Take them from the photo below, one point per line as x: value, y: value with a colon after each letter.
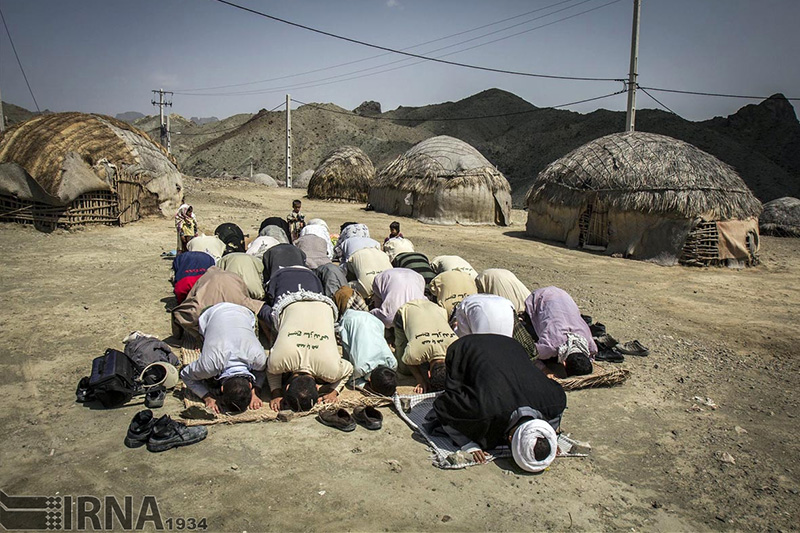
x: 341, y: 419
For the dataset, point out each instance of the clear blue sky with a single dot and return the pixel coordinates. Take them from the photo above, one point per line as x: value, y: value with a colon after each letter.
x: 106, y: 55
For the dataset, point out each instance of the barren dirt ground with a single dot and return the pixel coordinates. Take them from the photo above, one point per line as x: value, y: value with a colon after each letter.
x: 727, y: 335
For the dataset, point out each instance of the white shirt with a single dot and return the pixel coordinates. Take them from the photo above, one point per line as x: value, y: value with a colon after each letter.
x: 484, y: 313
x: 230, y: 348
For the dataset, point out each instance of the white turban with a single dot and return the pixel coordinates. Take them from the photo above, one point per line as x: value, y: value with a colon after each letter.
x: 523, y: 441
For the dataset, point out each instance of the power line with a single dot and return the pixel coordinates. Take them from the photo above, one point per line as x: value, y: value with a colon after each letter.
x: 389, y: 53
x: 316, y: 83
x: 226, y: 129
x: 656, y: 100
x: 409, y: 54
x: 699, y: 93
x: 450, y: 119
x: 19, y: 62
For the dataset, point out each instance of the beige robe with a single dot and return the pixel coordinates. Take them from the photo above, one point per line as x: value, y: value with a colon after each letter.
x: 247, y: 267
x: 451, y: 287
x: 446, y: 263
x: 306, y: 342
x: 425, y: 333
x: 363, y: 266
x: 209, y: 244
x: 502, y: 282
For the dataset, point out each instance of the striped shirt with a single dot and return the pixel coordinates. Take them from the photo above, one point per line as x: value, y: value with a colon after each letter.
x: 417, y: 262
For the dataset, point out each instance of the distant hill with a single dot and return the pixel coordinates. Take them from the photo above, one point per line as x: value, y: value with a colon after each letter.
x: 15, y: 114
x: 761, y: 141
x: 203, y: 120
x: 129, y: 116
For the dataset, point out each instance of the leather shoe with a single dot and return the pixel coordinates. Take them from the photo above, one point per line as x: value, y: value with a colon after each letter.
x: 368, y: 416
x: 140, y: 429
x: 337, y: 418
x: 168, y: 434
x: 155, y: 397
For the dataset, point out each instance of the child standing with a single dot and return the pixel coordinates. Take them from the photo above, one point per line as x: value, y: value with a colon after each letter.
x: 394, y: 231
x: 296, y: 219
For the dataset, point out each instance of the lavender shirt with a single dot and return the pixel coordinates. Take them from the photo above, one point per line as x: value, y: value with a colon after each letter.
x: 553, y: 313
x: 392, y: 289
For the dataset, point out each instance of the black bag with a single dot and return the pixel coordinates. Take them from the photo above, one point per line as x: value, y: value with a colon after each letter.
x: 112, y: 380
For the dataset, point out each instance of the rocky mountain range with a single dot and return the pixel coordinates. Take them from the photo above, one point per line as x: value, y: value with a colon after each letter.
x: 761, y: 141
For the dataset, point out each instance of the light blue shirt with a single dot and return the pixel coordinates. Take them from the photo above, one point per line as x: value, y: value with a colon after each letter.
x: 364, y: 344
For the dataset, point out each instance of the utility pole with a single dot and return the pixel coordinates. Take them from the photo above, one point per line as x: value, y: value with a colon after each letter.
x: 169, y: 137
x: 2, y: 117
x: 288, y: 141
x: 630, y: 118
x: 162, y: 102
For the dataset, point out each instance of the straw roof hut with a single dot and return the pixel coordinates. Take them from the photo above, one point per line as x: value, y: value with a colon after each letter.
x: 76, y: 168
x: 646, y: 196
x: 344, y: 175
x: 301, y: 181
x: 781, y: 217
x: 443, y: 180
x: 264, y: 179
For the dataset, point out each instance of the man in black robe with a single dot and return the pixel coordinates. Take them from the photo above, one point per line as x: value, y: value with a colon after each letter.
x: 495, y: 396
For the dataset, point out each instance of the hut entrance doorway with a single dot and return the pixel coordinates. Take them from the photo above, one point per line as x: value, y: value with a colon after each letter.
x: 593, y: 225
x: 128, y: 193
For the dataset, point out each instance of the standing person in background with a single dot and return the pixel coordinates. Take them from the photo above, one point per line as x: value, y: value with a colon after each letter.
x: 394, y: 231
x: 296, y: 219
x: 186, y: 226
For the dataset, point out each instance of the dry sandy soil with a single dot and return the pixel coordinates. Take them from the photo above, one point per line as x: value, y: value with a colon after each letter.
x: 723, y: 334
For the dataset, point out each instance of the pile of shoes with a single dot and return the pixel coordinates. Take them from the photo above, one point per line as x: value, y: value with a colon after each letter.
x: 609, y: 349
x: 161, y: 434
x: 341, y: 419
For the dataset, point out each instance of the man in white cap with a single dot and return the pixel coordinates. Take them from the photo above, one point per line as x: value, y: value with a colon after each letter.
x: 495, y: 396
x: 484, y: 313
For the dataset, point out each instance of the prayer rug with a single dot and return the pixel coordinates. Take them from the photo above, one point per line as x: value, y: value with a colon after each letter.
x: 195, y: 412
x: 602, y: 376
x: 413, y: 408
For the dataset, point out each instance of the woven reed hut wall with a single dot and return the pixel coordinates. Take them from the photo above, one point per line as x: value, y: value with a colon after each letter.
x: 72, y: 155
x: 781, y: 217
x: 646, y: 196
x: 344, y: 175
x: 443, y: 180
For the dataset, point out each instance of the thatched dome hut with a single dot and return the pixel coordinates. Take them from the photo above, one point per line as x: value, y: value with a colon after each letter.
x: 781, y: 217
x: 264, y: 179
x: 301, y: 181
x: 443, y: 180
x: 646, y: 196
x: 345, y: 175
x: 74, y: 168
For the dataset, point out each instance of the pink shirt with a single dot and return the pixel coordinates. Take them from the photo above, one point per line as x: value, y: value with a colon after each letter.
x: 553, y: 313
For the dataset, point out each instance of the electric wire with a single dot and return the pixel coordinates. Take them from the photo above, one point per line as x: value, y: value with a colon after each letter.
x: 325, y: 81
x: 14, y: 48
x: 410, y: 54
x: 226, y: 129
x: 656, y: 100
x: 389, y: 53
x: 700, y: 93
